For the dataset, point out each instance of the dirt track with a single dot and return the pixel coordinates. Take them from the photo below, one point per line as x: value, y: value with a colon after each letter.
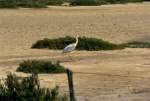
x: 120, y: 75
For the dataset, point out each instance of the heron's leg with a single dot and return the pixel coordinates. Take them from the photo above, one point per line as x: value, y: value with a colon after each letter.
x: 70, y: 57
x: 64, y: 56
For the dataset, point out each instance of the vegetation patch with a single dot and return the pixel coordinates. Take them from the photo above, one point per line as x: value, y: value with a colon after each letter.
x: 137, y: 44
x: 27, y: 89
x: 90, y: 44
x: 29, y: 3
x: 54, y: 2
x: 40, y: 66
x: 87, y: 2
x: 8, y: 4
x: 45, y: 3
x: 100, y: 2
x: 94, y: 44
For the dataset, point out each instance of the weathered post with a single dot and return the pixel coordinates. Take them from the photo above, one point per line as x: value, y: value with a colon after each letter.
x: 70, y: 82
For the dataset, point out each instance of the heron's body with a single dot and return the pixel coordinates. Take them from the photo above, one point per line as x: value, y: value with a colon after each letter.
x: 70, y: 47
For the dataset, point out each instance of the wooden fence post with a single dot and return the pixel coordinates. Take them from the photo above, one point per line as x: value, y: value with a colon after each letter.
x: 70, y: 82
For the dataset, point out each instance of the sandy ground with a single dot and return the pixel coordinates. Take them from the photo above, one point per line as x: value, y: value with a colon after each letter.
x: 120, y: 75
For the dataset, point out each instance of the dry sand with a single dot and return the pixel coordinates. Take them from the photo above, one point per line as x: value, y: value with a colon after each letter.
x: 120, y: 75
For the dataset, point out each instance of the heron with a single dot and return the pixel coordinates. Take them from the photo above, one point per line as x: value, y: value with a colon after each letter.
x: 71, y: 47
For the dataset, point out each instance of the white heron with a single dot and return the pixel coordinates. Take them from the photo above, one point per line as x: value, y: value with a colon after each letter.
x: 71, y: 47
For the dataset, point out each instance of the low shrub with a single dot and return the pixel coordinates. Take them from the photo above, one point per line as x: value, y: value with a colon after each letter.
x: 45, y: 3
x: 137, y: 0
x: 32, y: 3
x: 90, y: 44
x: 40, y: 66
x: 94, y: 44
x: 137, y: 44
x: 54, y: 2
x: 85, y: 2
x: 8, y: 3
x: 29, y: 3
x: 27, y: 89
x: 100, y: 2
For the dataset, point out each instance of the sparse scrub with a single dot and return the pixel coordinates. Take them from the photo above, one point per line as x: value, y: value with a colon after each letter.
x: 100, y: 2
x: 86, y: 2
x: 27, y: 89
x: 90, y: 44
x: 137, y: 44
x: 40, y: 66
x: 121, y: 1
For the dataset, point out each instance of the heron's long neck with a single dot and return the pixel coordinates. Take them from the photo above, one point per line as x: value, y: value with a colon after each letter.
x: 76, y: 41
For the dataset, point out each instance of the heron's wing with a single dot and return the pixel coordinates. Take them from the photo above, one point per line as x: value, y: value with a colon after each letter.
x: 69, y: 48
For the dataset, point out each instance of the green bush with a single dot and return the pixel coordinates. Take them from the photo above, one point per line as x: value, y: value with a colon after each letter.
x: 40, y: 66
x: 29, y: 3
x: 122, y: 1
x: 45, y: 3
x: 8, y: 4
x: 54, y: 2
x: 94, y: 44
x: 32, y: 3
x: 27, y: 89
x: 135, y: 0
x: 58, y: 43
x: 85, y: 2
x: 100, y: 2
x: 90, y: 44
